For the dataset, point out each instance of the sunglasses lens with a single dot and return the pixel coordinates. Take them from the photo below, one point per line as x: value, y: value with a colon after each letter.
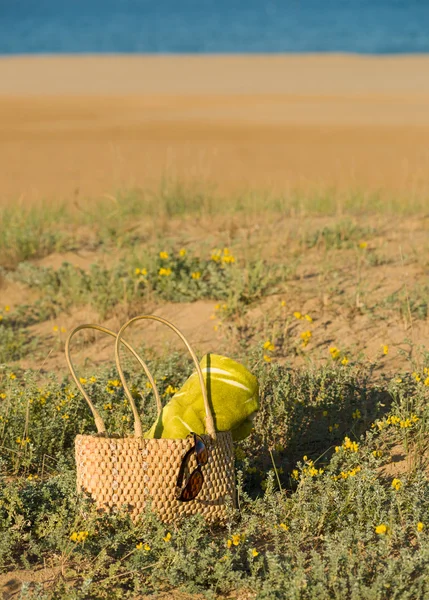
x: 193, y: 486
x: 201, y: 451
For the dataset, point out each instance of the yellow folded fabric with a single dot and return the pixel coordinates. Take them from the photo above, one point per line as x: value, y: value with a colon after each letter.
x: 232, y: 392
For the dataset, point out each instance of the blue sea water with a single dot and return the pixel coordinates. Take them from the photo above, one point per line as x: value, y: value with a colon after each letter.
x: 213, y: 26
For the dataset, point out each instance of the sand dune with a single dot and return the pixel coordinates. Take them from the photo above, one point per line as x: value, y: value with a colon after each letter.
x: 89, y: 125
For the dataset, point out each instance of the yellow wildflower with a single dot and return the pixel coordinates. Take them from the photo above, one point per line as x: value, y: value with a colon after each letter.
x: 283, y: 303
x: 349, y: 445
x: 167, y: 538
x: 297, y: 315
x: 345, y: 361
x: 7, y: 308
x: 236, y: 539
x: 283, y: 526
x: 254, y: 552
x: 420, y: 526
x: 12, y: 376
x: 216, y: 256
x: 385, y: 348
x: 335, y: 353
x: 295, y: 474
x: 267, y: 358
x: 305, y: 336
x: 381, y: 529
x: 308, y: 318
x: 79, y: 536
x: 182, y: 252
x: 164, y: 272
x: 163, y: 255
x: 139, y: 546
x: 115, y: 382
x: 396, y: 484
x: 228, y: 259
x: 356, y: 414
x: 55, y: 328
x: 426, y: 381
x: 171, y: 390
x: 269, y: 346
x: 363, y: 245
x: 82, y: 380
x: 196, y: 275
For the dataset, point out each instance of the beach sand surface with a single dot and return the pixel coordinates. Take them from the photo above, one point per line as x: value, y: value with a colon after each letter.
x: 84, y: 126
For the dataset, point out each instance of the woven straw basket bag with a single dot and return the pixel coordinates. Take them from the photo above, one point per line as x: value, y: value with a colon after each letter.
x: 129, y: 471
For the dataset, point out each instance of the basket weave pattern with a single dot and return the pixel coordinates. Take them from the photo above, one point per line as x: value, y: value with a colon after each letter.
x: 130, y: 471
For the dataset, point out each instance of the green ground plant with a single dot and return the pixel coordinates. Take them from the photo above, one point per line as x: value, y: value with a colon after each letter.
x: 177, y: 276
x: 316, y: 517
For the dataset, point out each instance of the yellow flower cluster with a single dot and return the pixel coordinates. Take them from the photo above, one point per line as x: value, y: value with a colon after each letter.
x: 420, y: 526
x: 397, y: 421
x: 334, y: 352
x: 224, y: 257
x: 269, y: 346
x: 142, y: 272
x: 382, y: 529
x: 170, y: 390
x: 348, y: 445
x: 164, y: 272
x: 300, y: 316
x: 196, y: 275
x: 22, y: 441
x: 346, y: 474
x: 308, y: 471
x: 235, y: 540
x: 163, y: 255
x: 357, y: 414
x: 167, y: 537
x: 425, y: 376
x: 396, y: 484
x: 113, y: 384
x: 306, y: 337
x: 141, y: 546
x: 182, y: 252
x: 79, y: 536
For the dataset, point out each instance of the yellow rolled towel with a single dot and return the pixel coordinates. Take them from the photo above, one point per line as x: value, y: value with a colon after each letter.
x: 233, y: 395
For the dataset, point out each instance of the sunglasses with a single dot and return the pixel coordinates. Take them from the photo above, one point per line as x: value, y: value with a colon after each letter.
x: 195, y: 481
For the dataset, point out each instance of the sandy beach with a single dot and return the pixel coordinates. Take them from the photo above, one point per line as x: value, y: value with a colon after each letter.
x: 88, y: 125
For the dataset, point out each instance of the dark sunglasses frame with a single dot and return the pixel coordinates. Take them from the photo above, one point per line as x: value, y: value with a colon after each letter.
x: 195, y: 481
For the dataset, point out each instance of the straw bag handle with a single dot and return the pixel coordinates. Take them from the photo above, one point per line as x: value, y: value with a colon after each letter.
x: 99, y: 423
x: 209, y: 416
